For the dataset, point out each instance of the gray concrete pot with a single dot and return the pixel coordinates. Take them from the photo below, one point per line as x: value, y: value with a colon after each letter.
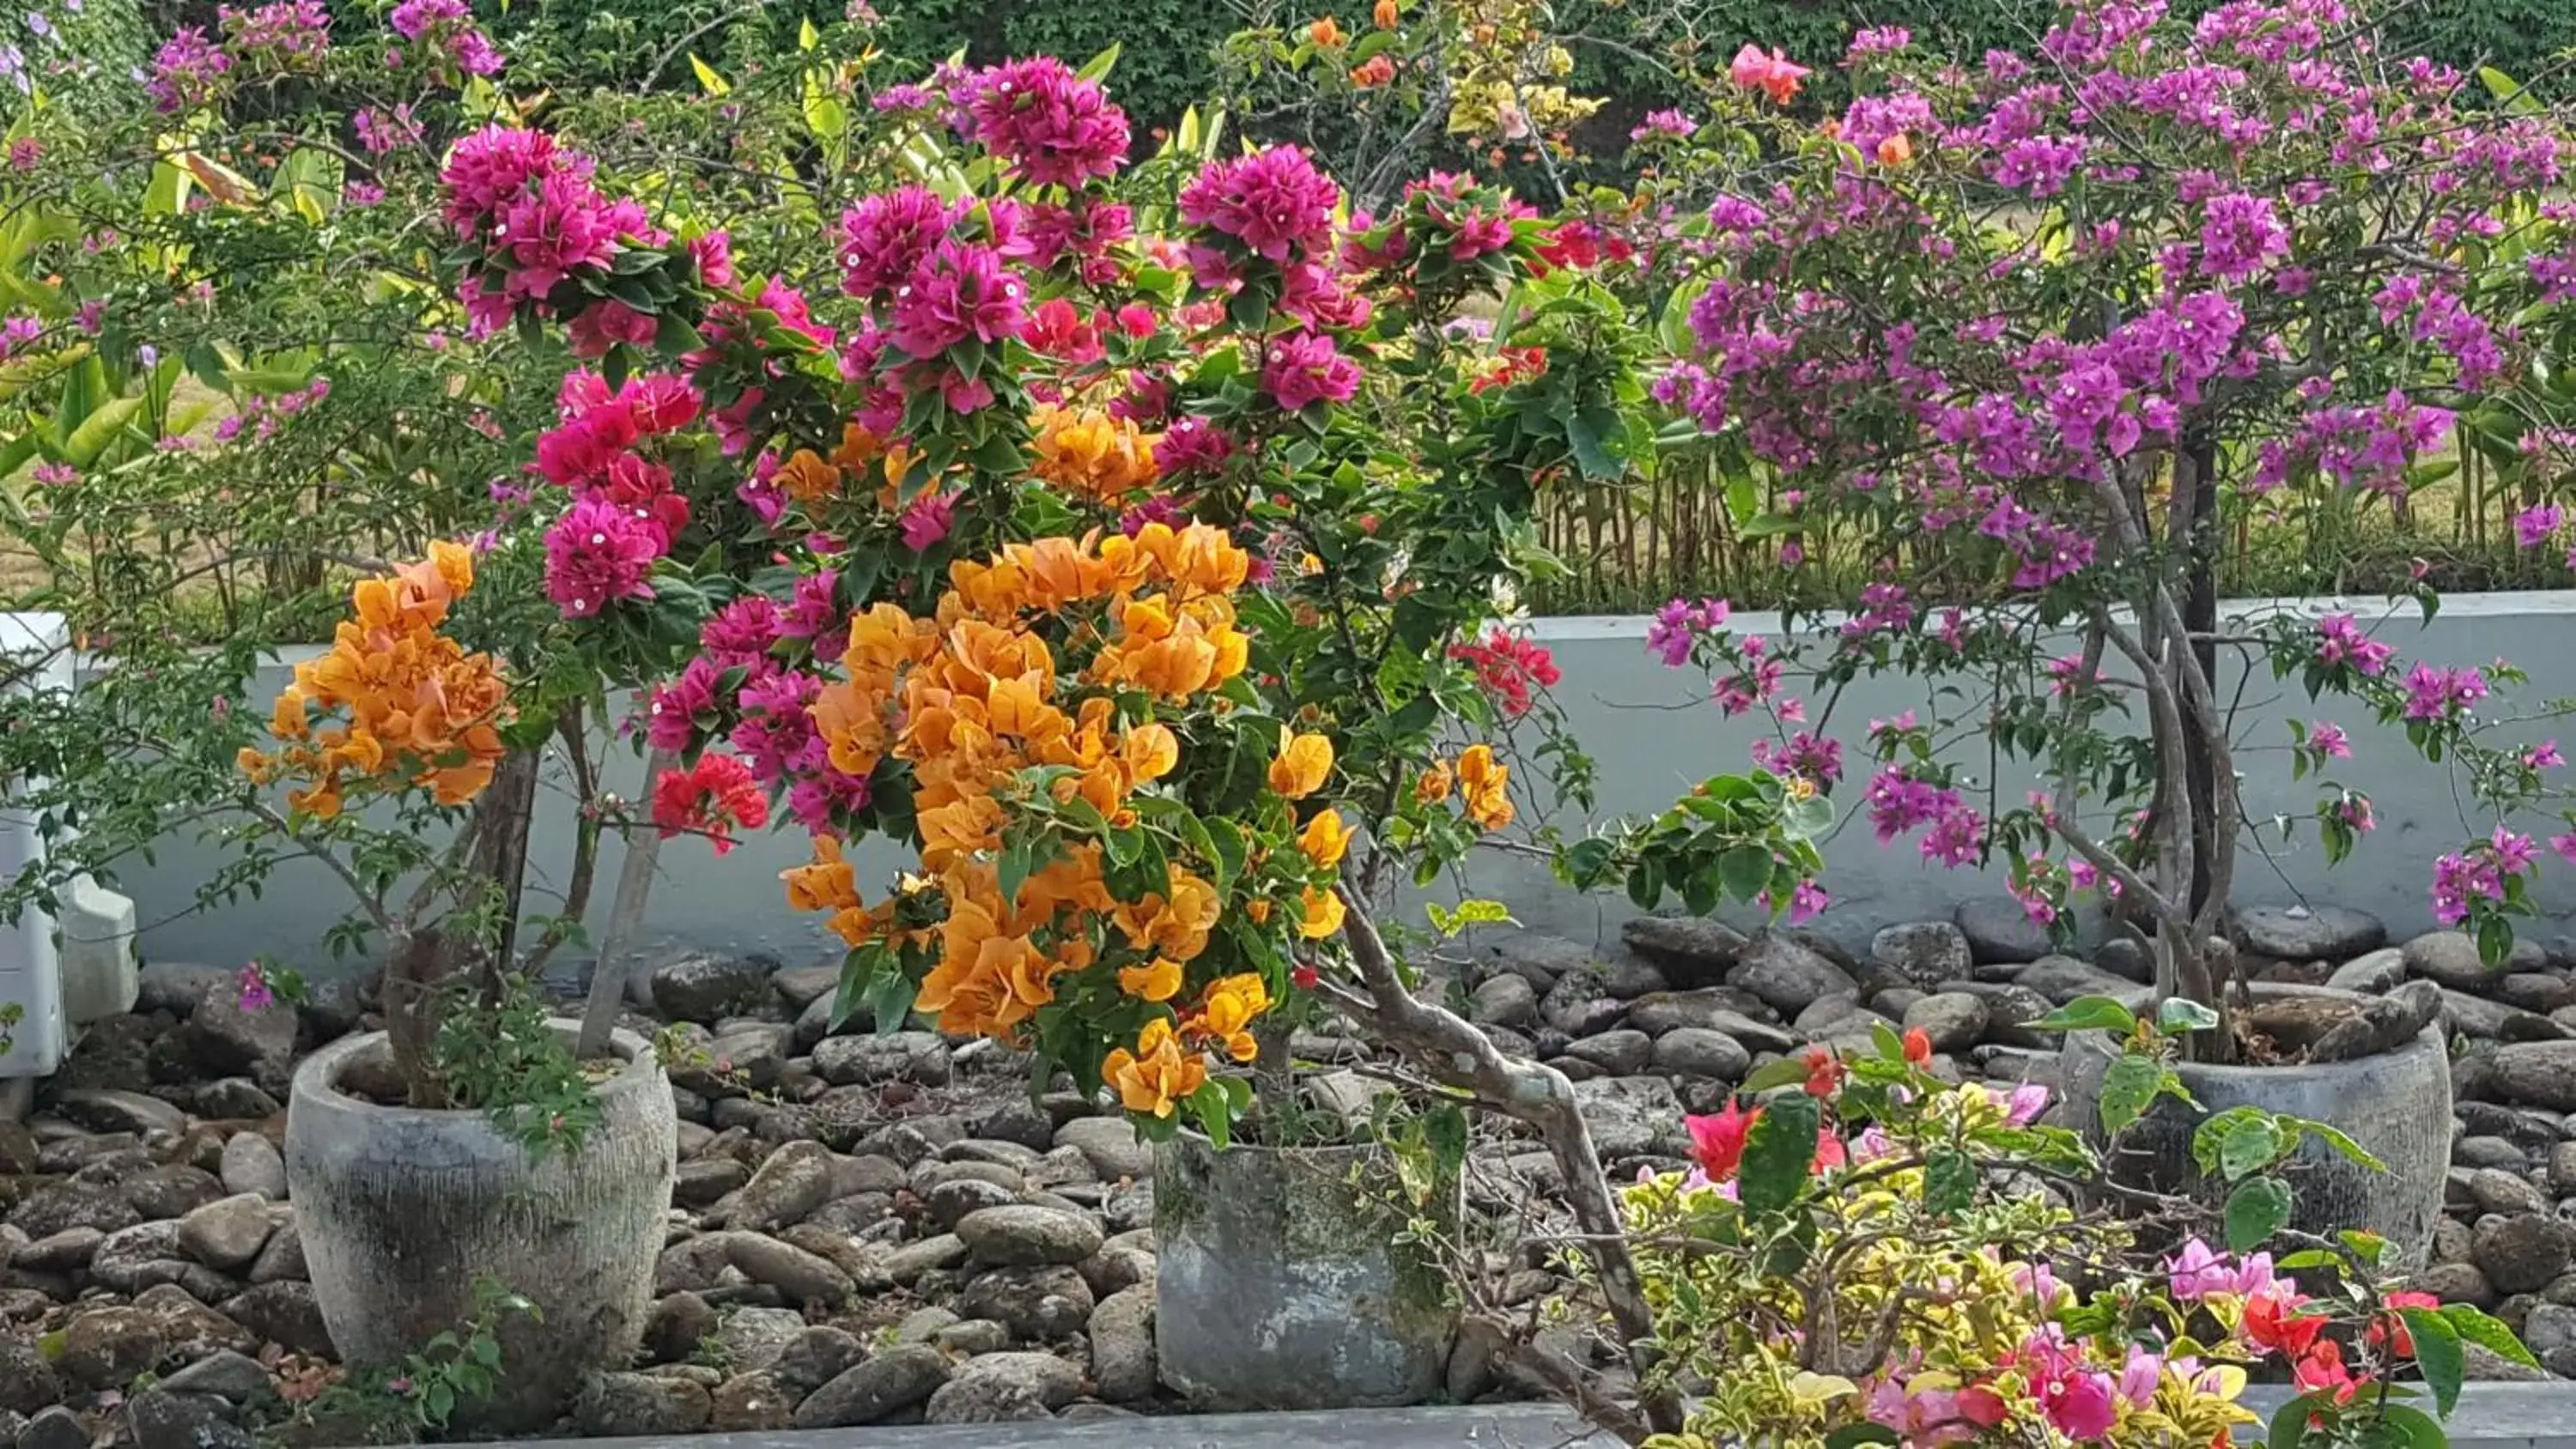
x: 2396, y: 1105
x: 400, y: 1210
x: 1279, y: 1284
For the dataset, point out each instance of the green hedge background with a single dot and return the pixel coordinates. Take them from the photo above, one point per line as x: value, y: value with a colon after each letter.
x: 1164, y: 64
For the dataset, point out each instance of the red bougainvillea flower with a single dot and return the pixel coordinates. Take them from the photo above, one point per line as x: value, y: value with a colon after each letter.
x: 1918, y: 1046
x: 2320, y: 1370
x: 1717, y: 1143
x: 709, y: 798
x: 2391, y: 1328
x: 1510, y: 668
x: 1824, y: 1072
x: 2273, y: 1321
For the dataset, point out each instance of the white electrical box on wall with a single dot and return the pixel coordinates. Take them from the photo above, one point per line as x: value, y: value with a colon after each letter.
x: 31, y: 976
x: 54, y: 974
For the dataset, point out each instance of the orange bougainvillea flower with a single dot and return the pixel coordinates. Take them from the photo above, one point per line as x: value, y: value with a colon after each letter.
x: 1157, y: 980
x: 1433, y: 785
x: 1090, y: 453
x: 1323, y: 913
x: 1156, y: 1076
x: 1484, y: 783
x: 1303, y: 763
x: 1373, y: 72
x: 395, y: 702
x: 1770, y: 74
x: 1325, y: 839
x: 806, y: 478
x: 1895, y: 150
x: 1385, y: 14
x: 1232, y: 1004
x: 1326, y: 32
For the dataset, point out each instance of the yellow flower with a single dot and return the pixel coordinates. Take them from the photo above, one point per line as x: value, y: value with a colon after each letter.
x: 1485, y: 783
x: 1325, y: 839
x: 1323, y: 914
x: 1156, y: 1076
x: 1433, y: 787
x: 1158, y: 980
x: 1232, y: 1003
x: 1303, y: 762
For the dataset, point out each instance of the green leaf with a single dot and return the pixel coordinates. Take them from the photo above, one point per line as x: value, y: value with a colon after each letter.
x: 1852, y: 1436
x: 2437, y: 1353
x: 2341, y: 1141
x: 2176, y: 1015
x: 890, y: 994
x: 1745, y: 871
x: 2258, y: 1208
x: 1097, y: 68
x: 1215, y: 1111
x: 98, y: 430
x: 1018, y: 863
x: 2495, y: 941
x: 1773, y: 1075
x: 2127, y: 1090
x: 2251, y: 1144
x: 807, y: 37
x: 708, y: 80
x: 1582, y: 440
x: 2410, y: 1428
x: 2289, y: 1423
x: 1949, y: 1182
x: 1778, y: 1153
x: 2089, y: 1013
x: 2487, y: 1332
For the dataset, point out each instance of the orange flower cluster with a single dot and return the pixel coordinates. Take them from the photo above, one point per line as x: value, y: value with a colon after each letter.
x: 415, y: 707
x: 973, y: 700
x: 1090, y: 453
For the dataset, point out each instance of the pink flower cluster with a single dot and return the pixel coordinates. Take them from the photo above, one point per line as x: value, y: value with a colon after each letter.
x: 1301, y: 369
x: 540, y: 221
x: 625, y: 514
x: 444, y: 33
x: 2341, y: 642
x: 283, y: 37
x: 1273, y: 203
x: 188, y: 72
x: 2434, y: 694
x: 1050, y: 125
x: 1899, y: 804
x: 1679, y: 625
x: 2462, y: 878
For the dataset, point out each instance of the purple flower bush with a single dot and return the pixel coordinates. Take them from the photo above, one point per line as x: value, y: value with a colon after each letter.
x: 2045, y: 326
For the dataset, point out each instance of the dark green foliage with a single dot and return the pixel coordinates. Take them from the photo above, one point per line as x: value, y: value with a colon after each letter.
x: 1625, y: 50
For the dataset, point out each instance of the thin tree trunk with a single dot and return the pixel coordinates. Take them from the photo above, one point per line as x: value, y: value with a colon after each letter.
x: 625, y: 921
x: 1444, y: 1045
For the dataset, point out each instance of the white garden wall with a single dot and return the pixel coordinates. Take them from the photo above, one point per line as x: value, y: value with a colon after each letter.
x: 1653, y: 735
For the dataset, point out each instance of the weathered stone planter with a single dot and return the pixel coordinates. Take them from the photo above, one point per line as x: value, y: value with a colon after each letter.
x: 2396, y: 1105
x: 401, y: 1211
x: 1281, y: 1285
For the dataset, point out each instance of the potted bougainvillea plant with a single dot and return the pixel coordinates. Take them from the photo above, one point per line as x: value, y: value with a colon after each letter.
x: 1131, y: 541
x: 2039, y: 331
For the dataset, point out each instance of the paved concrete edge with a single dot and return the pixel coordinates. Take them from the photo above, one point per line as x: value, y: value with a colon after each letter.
x: 2489, y: 1416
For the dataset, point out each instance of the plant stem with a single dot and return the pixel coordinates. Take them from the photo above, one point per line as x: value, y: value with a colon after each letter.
x: 625, y: 920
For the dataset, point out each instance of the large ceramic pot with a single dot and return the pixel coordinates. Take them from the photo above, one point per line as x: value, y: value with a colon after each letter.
x: 2396, y: 1105
x: 1280, y: 1283
x: 402, y: 1211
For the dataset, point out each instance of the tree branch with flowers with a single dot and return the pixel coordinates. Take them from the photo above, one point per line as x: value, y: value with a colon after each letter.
x: 2045, y: 327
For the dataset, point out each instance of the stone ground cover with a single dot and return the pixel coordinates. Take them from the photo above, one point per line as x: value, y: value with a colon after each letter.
x: 886, y: 1229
